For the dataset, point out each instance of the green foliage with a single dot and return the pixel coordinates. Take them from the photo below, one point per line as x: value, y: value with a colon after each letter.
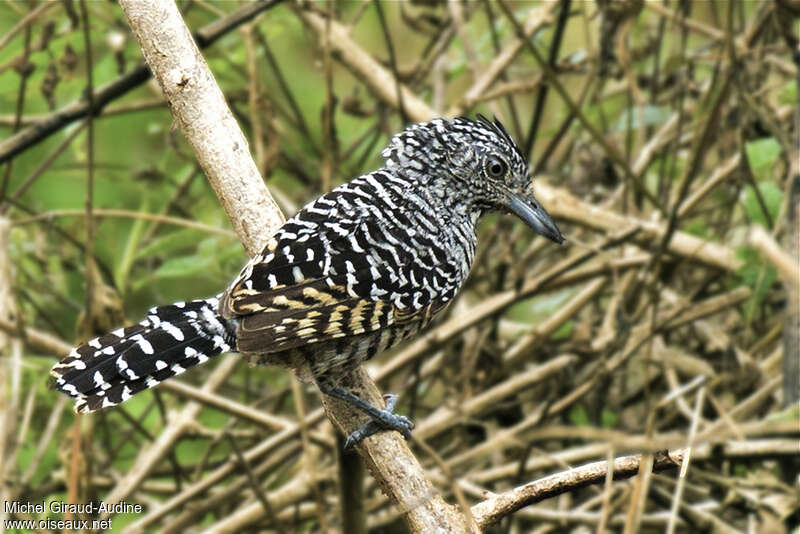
x: 184, y: 266
x: 608, y: 418
x: 564, y: 331
x: 789, y: 414
x: 578, y: 415
x: 214, y: 419
x: 127, y: 257
x: 757, y: 274
x: 762, y: 154
x: 120, y: 521
x: 534, y: 309
x: 788, y: 94
x: 170, y: 244
x: 772, y: 197
x: 214, y: 260
x: 697, y: 227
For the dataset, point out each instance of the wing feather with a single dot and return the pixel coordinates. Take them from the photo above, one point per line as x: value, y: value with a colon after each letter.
x: 325, y: 281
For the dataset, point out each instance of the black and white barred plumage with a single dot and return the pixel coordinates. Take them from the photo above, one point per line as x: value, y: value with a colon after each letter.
x: 112, y: 368
x: 352, y: 274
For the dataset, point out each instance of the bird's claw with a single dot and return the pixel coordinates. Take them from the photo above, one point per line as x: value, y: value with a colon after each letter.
x: 388, y: 420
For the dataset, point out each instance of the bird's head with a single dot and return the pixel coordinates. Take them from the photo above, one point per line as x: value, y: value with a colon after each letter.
x: 478, y: 161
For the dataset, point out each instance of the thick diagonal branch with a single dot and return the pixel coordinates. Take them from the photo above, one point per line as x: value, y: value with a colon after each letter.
x: 200, y: 109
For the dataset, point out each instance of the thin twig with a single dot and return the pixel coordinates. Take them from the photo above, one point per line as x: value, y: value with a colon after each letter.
x: 36, y: 133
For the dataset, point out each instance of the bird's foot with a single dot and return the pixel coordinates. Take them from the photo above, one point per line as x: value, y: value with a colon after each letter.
x: 382, y: 420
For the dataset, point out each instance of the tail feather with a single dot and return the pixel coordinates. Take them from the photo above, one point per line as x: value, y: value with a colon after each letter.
x: 110, y: 369
x: 119, y: 391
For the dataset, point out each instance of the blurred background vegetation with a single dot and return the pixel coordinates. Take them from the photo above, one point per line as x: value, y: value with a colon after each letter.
x: 683, y: 121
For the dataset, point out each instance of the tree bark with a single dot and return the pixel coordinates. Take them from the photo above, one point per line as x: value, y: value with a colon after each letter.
x: 199, y: 108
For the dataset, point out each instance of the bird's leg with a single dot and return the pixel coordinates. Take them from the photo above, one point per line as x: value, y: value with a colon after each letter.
x: 373, y: 426
x: 381, y: 419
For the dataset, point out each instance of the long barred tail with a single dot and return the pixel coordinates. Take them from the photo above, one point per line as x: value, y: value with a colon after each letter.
x: 110, y: 369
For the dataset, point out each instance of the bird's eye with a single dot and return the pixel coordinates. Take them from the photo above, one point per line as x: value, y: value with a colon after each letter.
x: 496, y: 167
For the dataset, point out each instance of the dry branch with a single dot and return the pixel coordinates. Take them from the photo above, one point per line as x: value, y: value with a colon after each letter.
x: 787, y: 266
x: 199, y: 107
x: 498, y: 506
x: 10, y: 370
x: 561, y: 203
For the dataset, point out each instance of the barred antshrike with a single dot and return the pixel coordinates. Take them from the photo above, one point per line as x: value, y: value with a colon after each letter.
x: 352, y: 274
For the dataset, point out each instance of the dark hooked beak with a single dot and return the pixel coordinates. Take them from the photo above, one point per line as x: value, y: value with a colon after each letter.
x: 536, y: 217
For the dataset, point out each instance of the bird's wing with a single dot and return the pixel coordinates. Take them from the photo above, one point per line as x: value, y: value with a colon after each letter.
x: 327, y: 278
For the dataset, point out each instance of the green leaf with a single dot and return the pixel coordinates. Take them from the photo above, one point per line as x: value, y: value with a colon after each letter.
x: 183, y: 266
x: 772, y: 197
x: 608, y: 418
x: 533, y: 309
x: 762, y: 154
x: 132, y: 243
x: 697, y: 227
x: 171, y: 243
x: 579, y: 416
x: 757, y: 274
x: 564, y: 331
x: 788, y: 94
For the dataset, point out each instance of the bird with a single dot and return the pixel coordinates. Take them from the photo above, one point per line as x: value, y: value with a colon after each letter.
x: 353, y: 273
